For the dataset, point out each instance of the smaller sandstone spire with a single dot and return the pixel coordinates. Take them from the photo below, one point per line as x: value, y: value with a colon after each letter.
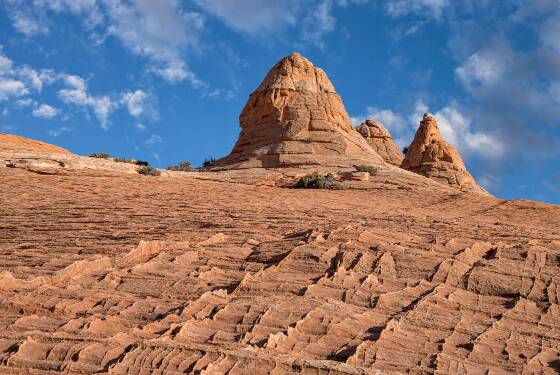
x: 430, y: 155
x: 379, y: 138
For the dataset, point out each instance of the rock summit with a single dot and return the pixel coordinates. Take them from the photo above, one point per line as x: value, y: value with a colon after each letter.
x: 296, y: 118
x: 431, y: 156
x: 379, y: 138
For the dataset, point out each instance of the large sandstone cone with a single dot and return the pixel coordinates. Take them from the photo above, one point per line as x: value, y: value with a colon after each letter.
x: 295, y: 117
x: 381, y: 141
x: 431, y: 156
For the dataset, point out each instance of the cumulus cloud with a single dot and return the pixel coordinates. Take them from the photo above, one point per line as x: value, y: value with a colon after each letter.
x: 140, y: 104
x: 159, y: 30
x: 45, y: 111
x: 76, y: 93
x: 11, y: 87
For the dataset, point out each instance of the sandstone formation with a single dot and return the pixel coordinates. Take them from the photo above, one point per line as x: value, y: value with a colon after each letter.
x: 431, y: 156
x: 105, y: 271
x: 14, y: 142
x: 295, y: 117
x: 381, y: 141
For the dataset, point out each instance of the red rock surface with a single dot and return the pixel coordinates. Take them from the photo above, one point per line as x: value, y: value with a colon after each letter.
x: 107, y: 271
x: 14, y: 142
x: 295, y: 117
x: 431, y: 156
x: 381, y: 141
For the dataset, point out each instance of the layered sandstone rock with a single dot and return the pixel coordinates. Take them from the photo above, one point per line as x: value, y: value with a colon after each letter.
x: 14, y: 142
x: 295, y: 117
x: 105, y: 271
x: 430, y: 155
x: 381, y: 141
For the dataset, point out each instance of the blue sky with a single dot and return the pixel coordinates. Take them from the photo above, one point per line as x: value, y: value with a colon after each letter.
x: 165, y: 80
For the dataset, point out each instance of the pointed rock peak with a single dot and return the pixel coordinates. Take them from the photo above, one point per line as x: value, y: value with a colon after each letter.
x: 295, y: 117
x: 379, y: 138
x: 297, y: 73
x: 430, y: 155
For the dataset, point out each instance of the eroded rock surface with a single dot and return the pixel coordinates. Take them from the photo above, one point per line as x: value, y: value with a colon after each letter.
x: 379, y: 138
x: 431, y: 156
x: 105, y: 271
x: 295, y: 117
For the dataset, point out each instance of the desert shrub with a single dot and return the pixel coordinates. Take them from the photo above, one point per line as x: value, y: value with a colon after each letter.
x: 100, y: 155
x: 210, y: 162
x: 366, y: 168
x: 318, y: 181
x: 132, y: 161
x: 183, y: 166
x: 404, y: 150
x: 148, y: 171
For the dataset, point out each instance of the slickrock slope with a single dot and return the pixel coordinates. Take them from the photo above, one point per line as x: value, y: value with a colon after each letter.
x: 381, y: 141
x: 14, y: 142
x: 104, y: 271
x: 295, y: 117
x: 430, y: 156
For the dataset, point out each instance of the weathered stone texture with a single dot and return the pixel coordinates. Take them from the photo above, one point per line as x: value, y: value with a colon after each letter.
x: 295, y: 117
x: 379, y: 138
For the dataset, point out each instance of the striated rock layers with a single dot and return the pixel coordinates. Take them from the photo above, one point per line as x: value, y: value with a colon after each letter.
x: 431, y: 156
x: 381, y: 141
x: 295, y: 117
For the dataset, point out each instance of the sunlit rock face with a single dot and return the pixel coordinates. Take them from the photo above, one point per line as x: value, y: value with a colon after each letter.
x: 295, y: 117
x: 430, y: 155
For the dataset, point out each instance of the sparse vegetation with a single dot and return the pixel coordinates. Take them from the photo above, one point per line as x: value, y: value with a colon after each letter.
x: 183, y: 166
x: 366, y: 168
x: 100, y: 155
x: 210, y: 162
x: 405, y: 150
x: 149, y: 171
x: 132, y: 161
x: 318, y: 181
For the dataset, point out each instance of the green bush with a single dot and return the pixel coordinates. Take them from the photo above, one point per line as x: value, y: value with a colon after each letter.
x: 210, y: 162
x: 404, y: 150
x: 366, y: 168
x: 149, y: 171
x: 183, y: 166
x: 100, y: 155
x: 318, y: 181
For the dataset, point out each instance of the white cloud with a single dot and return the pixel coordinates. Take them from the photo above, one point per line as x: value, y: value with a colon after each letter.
x: 252, y: 16
x: 482, y: 67
x: 77, y: 94
x: 135, y: 102
x: 318, y: 22
x: 159, y: 30
x: 154, y: 138
x: 11, y: 87
x: 45, y: 111
x: 27, y: 102
x: 140, y: 126
x: 550, y: 30
x: 27, y: 23
x: 456, y: 129
x: 59, y: 131
x: 429, y: 8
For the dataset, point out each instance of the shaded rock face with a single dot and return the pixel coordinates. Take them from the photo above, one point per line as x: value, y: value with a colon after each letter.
x: 295, y: 117
x: 431, y: 156
x: 381, y: 141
